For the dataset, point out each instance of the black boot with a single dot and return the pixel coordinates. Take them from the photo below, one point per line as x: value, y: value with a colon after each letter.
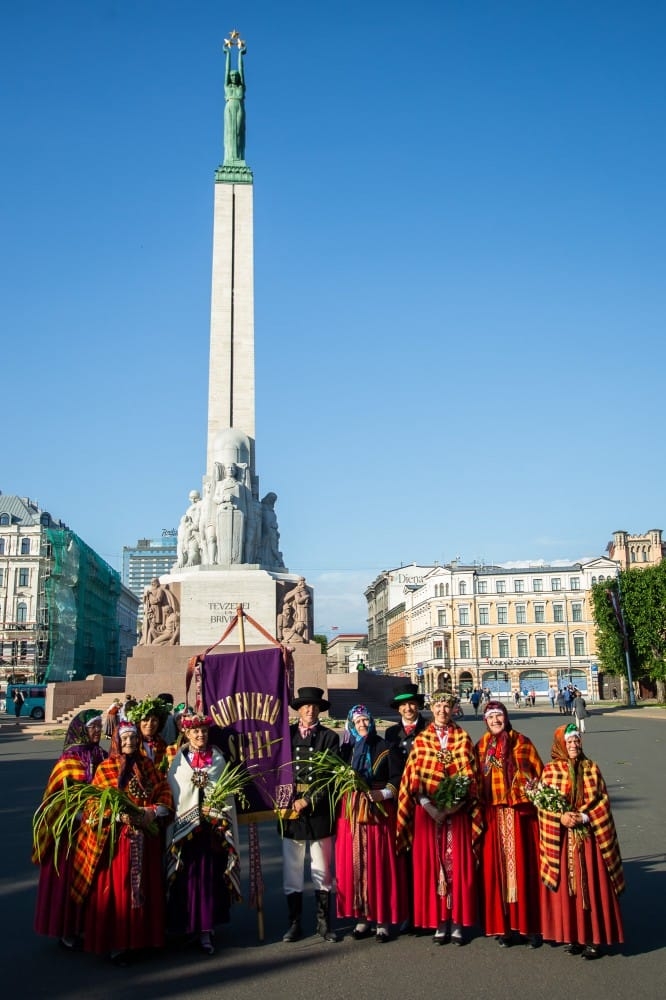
x: 295, y: 908
x: 324, y: 915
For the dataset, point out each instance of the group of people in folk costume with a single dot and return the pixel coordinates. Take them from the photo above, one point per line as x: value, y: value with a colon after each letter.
x: 410, y: 853
x: 445, y: 834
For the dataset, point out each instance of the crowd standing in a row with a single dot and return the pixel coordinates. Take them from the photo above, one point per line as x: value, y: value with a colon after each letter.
x: 444, y: 837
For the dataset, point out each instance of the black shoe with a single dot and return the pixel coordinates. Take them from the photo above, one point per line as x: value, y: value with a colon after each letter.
x: 574, y: 948
x: 359, y: 935
x: 294, y: 933
x: 441, y: 937
x: 591, y: 951
x: 120, y: 958
x: 534, y: 940
x: 382, y: 937
x: 504, y: 940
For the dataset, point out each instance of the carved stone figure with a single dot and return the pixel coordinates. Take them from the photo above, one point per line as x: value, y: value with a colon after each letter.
x: 301, y: 600
x: 270, y: 554
x: 232, y: 498
x: 157, y: 600
x: 234, y: 108
x: 208, y: 525
x: 169, y: 634
x: 189, y: 535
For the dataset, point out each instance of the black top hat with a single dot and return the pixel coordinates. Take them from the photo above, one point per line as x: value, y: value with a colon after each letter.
x: 310, y: 696
x: 407, y: 692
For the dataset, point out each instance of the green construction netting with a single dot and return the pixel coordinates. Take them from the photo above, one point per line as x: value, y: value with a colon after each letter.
x: 81, y: 596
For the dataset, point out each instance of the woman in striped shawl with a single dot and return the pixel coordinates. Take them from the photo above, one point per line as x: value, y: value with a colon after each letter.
x: 56, y: 914
x: 581, y: 866
x: 507, y: 761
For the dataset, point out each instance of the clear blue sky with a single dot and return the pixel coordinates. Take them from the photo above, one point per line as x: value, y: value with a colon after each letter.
x: 459, y: 272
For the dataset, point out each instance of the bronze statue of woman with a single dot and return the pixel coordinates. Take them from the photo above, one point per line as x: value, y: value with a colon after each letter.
x: 234, y: 108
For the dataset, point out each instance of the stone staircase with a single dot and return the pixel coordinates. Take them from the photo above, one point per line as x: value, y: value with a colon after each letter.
x: 101, y: 703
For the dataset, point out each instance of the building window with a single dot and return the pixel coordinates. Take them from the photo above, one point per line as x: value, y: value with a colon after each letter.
x: 594, y: 581
x: 22, y: 612
x: 500, y: 587
x: 560, y: 649
x: 541, y: 645
x: 522, y: 647
x: 463, y: 616
x: 504, y: 649
x: 577, y: 612
x: 579, y: 645
x: 484, y: 615
x: 539, y: 612
x: 484, y: 648
x: 24, y: 577
x: 4, y: 520
x: 462, y: 587
x: 502, y: 614
x: 521, y: 614
x: 2, y: 546
x: 633, y: 556
x: 482, y: 586
x: 555, y: 583
x: 2, y: 577
x: 558, y: 613
x: 574, y: 583
x: 537, y: 586
x: 441, y: 616
x: 602, y: 578
x: 519, y: 586
x: 25, y: 546
x: 437, y: 650
x: 464, y: 649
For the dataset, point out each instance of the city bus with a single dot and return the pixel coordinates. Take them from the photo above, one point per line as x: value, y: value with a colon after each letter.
x: 34, y: 704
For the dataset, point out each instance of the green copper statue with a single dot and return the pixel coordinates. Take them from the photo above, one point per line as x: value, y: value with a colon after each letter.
x: 234, y: 108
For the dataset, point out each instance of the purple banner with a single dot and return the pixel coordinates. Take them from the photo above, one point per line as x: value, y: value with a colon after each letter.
x: 247, y: 694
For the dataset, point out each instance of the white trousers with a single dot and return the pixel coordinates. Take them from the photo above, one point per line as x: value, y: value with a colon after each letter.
x: 293, y: 864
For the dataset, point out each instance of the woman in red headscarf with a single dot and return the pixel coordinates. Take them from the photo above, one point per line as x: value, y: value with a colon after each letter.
x: 507, y: 761
x: 581, y: 866
x: 123, y: 890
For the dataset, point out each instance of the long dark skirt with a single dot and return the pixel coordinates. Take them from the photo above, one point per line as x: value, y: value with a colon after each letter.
x: 199, y: 896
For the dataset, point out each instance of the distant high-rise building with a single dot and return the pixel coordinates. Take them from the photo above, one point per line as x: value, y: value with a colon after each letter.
x: 150, y: 557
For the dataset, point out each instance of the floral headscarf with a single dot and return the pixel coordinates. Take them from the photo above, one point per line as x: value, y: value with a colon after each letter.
x: 559, y: 752
x: 79, y: 746
x: 360, y: 761
x: 498, y: 750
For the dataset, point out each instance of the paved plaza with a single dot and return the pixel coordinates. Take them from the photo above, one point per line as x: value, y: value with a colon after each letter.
x: 630, y: 747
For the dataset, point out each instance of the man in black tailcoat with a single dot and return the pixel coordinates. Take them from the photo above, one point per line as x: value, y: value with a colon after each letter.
x: 312, y: 821
x: 408, y: 702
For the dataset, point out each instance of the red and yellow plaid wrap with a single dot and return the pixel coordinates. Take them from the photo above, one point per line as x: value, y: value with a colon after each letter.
x: 592, y: 799
x: 425, y: 769
x: 527, y: 766
x: 90, y: 846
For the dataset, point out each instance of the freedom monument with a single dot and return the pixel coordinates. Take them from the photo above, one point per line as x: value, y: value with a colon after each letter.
x: 228, y: 538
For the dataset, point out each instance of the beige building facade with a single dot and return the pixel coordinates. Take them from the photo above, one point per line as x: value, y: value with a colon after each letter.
x: 509, y: 628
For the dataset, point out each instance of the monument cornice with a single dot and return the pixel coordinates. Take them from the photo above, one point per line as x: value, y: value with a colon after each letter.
x: 233, y: 173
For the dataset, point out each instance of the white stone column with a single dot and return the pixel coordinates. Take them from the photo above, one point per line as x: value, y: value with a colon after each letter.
x: 231, y: 370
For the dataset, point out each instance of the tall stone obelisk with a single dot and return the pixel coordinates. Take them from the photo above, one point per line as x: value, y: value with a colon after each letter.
x: 231, y: 372
x: 228, y: 538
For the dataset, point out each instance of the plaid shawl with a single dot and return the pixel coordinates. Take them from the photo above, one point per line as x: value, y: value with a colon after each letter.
x: 497, y: 788
x: 591, y: 798
x: 66, y: 769
x: 425, y: 768
x: 90, y: 846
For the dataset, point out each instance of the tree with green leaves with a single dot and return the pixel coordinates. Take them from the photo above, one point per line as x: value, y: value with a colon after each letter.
x: 642, y: 598
x: 323, y: 642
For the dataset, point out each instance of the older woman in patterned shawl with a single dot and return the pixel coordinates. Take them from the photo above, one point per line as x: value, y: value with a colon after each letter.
x: 123, y: 891
x: 56, y: 914
x: 507, y: 761
x: 581, y: 866
x: 443, y: 839
x: 371, y: 877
